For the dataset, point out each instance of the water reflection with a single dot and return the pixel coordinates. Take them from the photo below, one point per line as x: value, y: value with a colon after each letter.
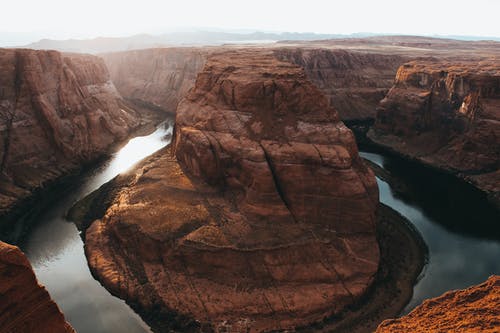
x: 457, y: 258
x: 55, y: 249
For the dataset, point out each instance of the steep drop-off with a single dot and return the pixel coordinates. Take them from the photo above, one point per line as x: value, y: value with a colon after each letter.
x: 155, y: 77
x: 264, y: 221
x: 57, y: 112
x: 475, y: 309
x: 446, y: 114
x: 25, y: 306
x: 354, y: 82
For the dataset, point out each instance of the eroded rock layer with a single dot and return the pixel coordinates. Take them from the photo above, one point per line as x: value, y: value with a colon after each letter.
x: 155, y: 77
x: 25, y: 305
x: 57, y: 112
x: 264, y: 221
x: 475, y: 309
x: 354, y: 82
x: 446, y: 114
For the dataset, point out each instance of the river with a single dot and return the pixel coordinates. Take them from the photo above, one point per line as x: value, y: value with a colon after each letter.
x: 55, y: 249
x: 459, y: 255
x: 460, y: 229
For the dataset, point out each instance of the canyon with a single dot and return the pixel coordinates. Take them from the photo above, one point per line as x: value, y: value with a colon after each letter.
x: 446, y: 114
x: 58, y: 112
x: 261, y: 215
x: 26, y: 306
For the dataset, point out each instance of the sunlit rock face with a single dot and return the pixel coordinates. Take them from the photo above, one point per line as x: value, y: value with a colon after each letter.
x: 446, y: 114
x: 25, y: 306
x: 157, y: 77
x: 354, y: 82
x: 57, y: 112
x: 264, y: 221
x: 475, y: 309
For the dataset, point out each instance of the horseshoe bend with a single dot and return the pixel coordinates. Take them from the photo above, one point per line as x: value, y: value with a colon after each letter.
x: 252, y: 223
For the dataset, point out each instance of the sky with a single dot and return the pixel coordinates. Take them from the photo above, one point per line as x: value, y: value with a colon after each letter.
x: 61, y: 19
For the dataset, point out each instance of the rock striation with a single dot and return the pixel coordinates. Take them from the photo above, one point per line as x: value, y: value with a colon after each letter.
x: 446, y: 114
x: 25, y: 305
x: 263, y: 220
x: 475, y: 309
x: 157, y: 78
x: 354, y: 82
x: 57, y: 112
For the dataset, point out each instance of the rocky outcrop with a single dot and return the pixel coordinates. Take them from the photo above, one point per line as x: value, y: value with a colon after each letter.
x: 25, y: 305
x: 354, y: 82
x: 158, y: 78
x: 57, y: 112
x: 264, y: 221
x: 446, y: 114
x: 475, y: 309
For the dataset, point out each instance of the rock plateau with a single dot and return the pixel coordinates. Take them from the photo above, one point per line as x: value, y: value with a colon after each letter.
x: 263, y: 220
x: 25, y: 305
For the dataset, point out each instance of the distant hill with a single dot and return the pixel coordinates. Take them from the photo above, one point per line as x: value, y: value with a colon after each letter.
x: 208, y: 38
x: 111, y: 44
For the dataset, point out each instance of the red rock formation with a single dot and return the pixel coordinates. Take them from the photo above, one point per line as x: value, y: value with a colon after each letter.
x: 446, y: 114
x: 268, y: 220
x: 354, y: 82
x: 475, y: 309
x: 25, y: 305
x: 156, y: 77
x: 57, y: 112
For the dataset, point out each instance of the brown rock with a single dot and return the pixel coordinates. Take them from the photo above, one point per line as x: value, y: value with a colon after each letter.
x: 354, y: 82
x: 475, y: 309
x: 446, y: 114
x: 155, y: 77
x: 57, y: 112
x: 25, y: 305
x: 267, y: 221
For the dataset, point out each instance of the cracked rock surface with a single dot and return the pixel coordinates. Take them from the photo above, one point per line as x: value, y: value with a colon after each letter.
x: 475, y: 309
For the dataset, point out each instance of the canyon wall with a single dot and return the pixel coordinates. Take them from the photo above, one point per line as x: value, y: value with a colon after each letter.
x: 57, y: 112
x: 446, y: 114
x: 25, y: 305
x: 475, y: 309
x: 354, y: 82
x: 264, y: 221
x: 158, y: 78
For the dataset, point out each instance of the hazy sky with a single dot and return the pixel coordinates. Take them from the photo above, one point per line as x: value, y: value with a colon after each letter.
x: 90, y: 18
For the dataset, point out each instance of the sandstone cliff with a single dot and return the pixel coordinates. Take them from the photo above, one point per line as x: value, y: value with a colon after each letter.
x: 475, y: 309
x: 25, y: 306
x: 155, y: 77
x: 57, y: 112
x: 266, y: 219
x: 446, y: 114
x: 354, y: 82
